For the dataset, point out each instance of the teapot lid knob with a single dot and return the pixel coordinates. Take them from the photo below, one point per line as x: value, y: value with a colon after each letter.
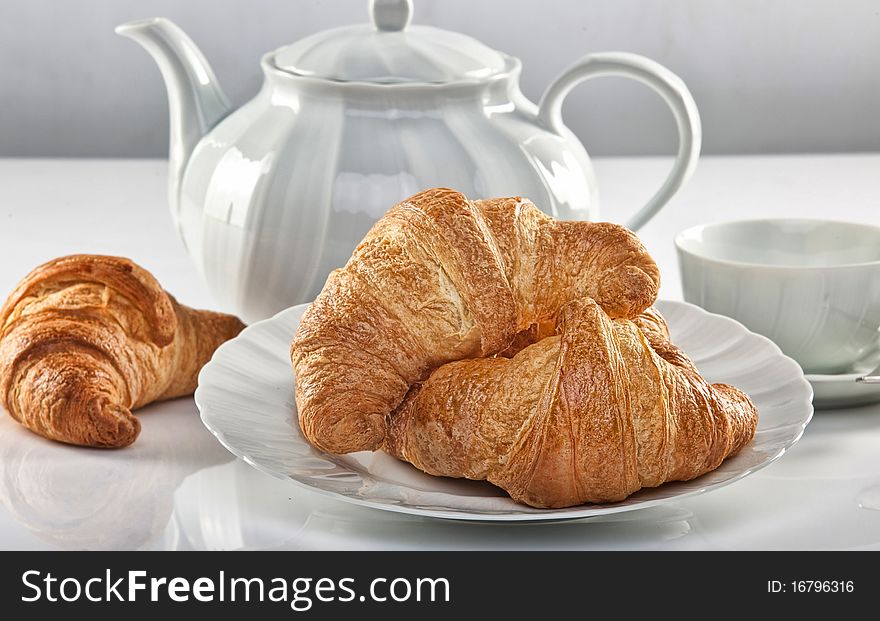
x: 391, y: 15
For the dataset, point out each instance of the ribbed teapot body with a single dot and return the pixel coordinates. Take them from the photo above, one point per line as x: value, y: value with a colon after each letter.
x: 280, y: 192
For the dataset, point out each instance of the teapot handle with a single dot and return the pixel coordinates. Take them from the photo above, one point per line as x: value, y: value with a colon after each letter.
x: 663, y: 81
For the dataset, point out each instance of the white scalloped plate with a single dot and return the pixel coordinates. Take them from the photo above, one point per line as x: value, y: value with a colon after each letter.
x: 245, y: 396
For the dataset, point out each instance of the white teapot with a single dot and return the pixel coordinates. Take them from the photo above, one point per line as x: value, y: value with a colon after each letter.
x: 271, y: 197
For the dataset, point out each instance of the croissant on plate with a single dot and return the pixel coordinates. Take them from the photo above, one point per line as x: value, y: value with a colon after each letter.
x: 593, y: 414
x: 85, y: 339
x: 441, y: 278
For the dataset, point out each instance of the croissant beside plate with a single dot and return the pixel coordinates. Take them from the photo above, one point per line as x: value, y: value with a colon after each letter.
x: 86, y: 339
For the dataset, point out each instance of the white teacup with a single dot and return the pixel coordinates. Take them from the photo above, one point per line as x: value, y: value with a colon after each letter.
x: 812, y: 286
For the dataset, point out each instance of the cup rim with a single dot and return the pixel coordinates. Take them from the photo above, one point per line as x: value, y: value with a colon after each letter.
x: 680, y: 238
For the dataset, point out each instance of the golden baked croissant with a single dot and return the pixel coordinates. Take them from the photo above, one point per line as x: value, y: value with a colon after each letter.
x: 593, y: 414
x: 441, y: 278
x: 85, y: 339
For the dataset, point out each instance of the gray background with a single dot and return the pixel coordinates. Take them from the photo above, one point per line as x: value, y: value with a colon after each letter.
x: 768, y: 75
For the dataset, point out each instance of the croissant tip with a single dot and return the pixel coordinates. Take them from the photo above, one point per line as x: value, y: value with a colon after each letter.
x: 347, y: 435
x: 114, y: 426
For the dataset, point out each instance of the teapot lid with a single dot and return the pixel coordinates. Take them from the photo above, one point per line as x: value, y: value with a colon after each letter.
x: 390, y: 51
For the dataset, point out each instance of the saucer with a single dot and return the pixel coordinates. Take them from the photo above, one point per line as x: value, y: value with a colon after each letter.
x: 841, y: 390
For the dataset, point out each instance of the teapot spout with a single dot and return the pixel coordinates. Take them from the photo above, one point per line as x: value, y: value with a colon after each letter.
x: 195, y: 100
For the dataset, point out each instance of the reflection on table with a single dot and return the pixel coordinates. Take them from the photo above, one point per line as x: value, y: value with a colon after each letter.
x: 177, y: 488
x: 80, y: 498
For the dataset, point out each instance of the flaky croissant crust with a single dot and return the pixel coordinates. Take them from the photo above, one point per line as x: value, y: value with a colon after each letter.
x: 442, y: 278
x: 85, y: 339
x: 593, y: 414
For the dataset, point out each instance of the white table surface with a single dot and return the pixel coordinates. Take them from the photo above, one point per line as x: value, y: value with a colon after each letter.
x: 177, y: 488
